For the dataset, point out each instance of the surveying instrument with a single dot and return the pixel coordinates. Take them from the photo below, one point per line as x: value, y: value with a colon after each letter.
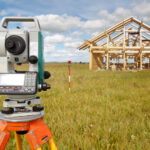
x: 22, y: 112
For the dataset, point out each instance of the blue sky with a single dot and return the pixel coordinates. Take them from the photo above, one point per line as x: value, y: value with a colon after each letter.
x: 66, y: 24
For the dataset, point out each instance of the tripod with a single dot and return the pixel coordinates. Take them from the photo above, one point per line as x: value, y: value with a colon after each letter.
x: 36, y: 131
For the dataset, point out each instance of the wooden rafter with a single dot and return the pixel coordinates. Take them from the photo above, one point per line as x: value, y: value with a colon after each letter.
x: 90, y: 43
x: 138, y: 33
x: 112, y: 30
x: 109, y: 31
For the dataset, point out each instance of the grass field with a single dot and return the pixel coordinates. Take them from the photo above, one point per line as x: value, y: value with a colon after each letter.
x: 104, y: 111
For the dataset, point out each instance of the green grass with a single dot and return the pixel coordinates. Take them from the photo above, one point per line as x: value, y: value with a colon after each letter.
x: 104, y: 111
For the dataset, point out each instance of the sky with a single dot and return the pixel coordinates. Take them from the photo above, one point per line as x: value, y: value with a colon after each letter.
x: 67, y: 23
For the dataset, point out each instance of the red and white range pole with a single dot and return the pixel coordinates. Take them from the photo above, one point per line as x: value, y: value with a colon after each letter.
x: 69, y: 68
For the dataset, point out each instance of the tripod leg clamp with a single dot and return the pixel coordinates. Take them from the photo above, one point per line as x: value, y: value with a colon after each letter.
x: 38, y: 134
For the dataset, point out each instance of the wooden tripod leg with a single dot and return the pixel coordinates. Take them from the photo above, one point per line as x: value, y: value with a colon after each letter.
x: 18, y: 141
x: 52, y: 144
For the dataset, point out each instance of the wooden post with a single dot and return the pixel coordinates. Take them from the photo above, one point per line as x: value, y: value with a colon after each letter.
x: 149, y: 63
x: 91, y: 59
x: 124, y: 61
x: 141, y: 61
x: 135, y: 62
x: 102, y: 60
x: 107, y: 54
x: 141, y: 45
x: 99, y: 61
x: 107, y: 61
x: 117, y: 67
x: 124, y: 44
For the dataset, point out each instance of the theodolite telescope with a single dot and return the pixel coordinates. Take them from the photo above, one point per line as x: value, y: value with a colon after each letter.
x: 21, y: 46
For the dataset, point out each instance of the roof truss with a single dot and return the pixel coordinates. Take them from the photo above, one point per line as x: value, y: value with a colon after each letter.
x: 126, y: 33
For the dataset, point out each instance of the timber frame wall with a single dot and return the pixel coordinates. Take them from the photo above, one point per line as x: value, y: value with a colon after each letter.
x: 129, y: 39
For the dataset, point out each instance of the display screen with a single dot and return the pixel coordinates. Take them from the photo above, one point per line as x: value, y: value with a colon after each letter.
x: 12, y: 79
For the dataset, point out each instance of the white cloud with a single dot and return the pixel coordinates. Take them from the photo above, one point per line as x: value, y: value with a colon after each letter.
x: 63, y: 55
x: 72, y: 44
x: 122, y: 13
x: 77, y: 33
x: 95, y: 33
x: 94, y: 25
x: 142, y: 10
x: 55, y: 24
x: 139, y: 10
x: 67, y: 41
x: 60, y: 55
x: 49, y: 48
x: 57, y: 38
x: 58, y: 23
x: 106, y: 19
x: 118, y: 15
x: 53, y: 51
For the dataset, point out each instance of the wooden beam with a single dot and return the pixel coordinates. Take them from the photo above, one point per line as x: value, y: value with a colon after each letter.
x: 141, y: 61
x: 134, y: 26
x: 124, y: 61
x: 110, y: 39
x: 145, y: 37
x: 118, y: 48
x: 147, y: 33
x: 149, y: 63
x: 136, y: 31
x: 117, y: 52
x: 99, y: 60
x: 91, y: 60
x: 116, y: 36
x: 90, y: 43
x: 138, y: 34
x: 141, y: 43
x: 113, y: 38
x: 107, y: 61
x: 96, y: 51
x: 143, y: 24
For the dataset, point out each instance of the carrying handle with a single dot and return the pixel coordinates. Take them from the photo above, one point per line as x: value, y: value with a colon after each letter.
x: 6, y: 20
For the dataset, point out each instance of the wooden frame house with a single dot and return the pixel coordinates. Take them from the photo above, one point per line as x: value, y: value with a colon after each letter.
x: 123, y: 46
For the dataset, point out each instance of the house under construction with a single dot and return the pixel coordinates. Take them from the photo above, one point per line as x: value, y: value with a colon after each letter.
x: 123, y: 46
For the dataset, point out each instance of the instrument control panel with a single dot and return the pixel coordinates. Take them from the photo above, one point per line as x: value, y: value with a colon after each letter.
x: 18, y: 83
